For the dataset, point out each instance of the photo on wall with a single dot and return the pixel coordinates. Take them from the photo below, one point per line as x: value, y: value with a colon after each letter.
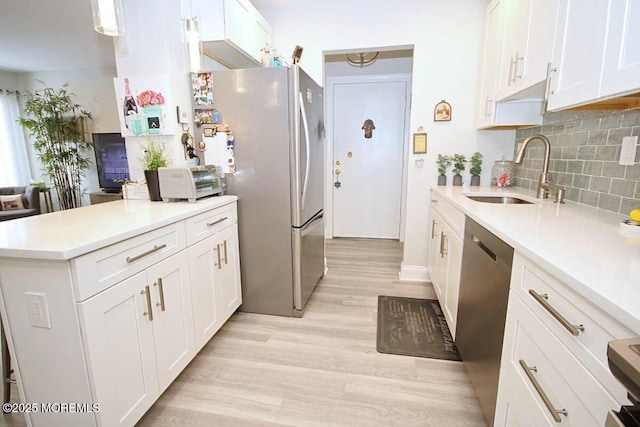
x: 143, y: 105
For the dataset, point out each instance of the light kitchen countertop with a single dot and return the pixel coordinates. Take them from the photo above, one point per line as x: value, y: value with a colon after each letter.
x: 67, y: 234
x: 578, y: 244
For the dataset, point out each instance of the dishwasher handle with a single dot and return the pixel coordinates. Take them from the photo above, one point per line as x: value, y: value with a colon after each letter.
x: 484, y: 247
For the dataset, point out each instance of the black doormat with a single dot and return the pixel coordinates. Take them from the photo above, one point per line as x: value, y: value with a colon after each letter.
x: 414, y: 327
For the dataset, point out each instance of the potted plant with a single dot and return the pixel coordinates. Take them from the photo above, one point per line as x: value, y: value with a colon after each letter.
x: 57, y: 125
x: 152, y: 159
x: 459, y: 161
x: 476, y: 168
x: 443, y: 163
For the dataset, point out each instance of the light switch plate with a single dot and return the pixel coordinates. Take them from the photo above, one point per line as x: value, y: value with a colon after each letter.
x: 182, y: 115
x: 628, y: 151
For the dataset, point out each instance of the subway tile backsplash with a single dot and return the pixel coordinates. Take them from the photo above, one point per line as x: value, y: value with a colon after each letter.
x: 585, y: 149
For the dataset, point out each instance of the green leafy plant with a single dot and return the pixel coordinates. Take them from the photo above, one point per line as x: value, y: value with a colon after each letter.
x: 459, y: 161
x: 443, y: 163
x: 476, y: 164
x: 153, y: 156
x: 57, y: 125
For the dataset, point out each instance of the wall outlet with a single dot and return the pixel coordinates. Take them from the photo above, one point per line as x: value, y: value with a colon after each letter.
x: 38, y: 309
x: 628, y: 151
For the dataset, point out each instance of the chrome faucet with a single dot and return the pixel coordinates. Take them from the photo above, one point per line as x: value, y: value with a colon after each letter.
x: 543, y: 181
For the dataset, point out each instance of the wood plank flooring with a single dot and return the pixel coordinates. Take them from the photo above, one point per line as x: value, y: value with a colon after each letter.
x: 322, y: 369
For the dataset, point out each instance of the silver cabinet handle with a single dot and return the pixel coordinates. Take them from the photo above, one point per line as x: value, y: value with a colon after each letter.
x: 433, y: 228
x: 512, y: 62
x: 442, y: 237
x: 155, y: 248
x: 218, y: 221
x: 542, y: 300
x: 555, y: 413
x: 487, y: 111
x: 219, y: 263
x: 225, y: 252
x: 515, y: 71
x: 149, y: 311
x: 158, y: 283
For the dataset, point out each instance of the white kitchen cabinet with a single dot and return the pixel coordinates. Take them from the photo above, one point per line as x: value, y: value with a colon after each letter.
x: 621, y: 66
x: 215, y: 273
x: 445, y: 257
x: 233, y: 32
x: 578, y: 53
x: 493, y: 114
x: 555, y: 345
x: 528, y: 48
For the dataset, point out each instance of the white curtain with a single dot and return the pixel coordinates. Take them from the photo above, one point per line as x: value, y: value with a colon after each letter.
x: 14, y: 160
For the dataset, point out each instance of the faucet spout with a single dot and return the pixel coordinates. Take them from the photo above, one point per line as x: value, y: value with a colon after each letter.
x: 543, y: 181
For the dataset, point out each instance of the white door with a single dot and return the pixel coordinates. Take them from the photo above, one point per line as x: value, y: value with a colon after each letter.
x: 366, y: 202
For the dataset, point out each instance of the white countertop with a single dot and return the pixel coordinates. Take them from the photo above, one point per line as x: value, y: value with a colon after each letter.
x: 70, y: 233
x: 579, y: 244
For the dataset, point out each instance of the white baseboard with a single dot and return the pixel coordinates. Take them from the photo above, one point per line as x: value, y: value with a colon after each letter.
x: 414, y: 273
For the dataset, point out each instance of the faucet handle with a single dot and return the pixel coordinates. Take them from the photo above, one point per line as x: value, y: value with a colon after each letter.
x: 559, y: 196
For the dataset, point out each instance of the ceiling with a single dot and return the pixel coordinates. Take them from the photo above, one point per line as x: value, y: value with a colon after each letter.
x: 45, y: 35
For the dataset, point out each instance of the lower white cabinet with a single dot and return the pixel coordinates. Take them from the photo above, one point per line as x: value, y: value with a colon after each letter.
x: 215, y: 276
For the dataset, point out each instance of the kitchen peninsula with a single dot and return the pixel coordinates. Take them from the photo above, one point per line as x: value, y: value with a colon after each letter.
x: 106, y: 304
x: 575, y: 286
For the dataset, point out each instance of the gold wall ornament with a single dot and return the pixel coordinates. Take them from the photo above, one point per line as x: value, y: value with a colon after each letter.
x: 368, y: 128
x: 442, y: 112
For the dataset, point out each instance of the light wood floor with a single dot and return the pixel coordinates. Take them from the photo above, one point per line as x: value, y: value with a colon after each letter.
x: 322, y: 369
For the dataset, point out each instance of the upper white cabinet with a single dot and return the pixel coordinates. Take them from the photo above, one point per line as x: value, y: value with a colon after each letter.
x: 578, y: 53
x: 528, y: 47
x: 233, y: 32
x: 621, y: 67
x: 492, y: 114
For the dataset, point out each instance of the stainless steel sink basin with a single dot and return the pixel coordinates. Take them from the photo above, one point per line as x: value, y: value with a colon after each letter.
x: 504, y: 200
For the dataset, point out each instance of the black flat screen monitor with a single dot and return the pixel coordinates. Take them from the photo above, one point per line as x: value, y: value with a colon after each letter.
x: 111, y: 161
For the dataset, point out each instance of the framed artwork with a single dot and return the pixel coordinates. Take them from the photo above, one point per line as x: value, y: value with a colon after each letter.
x: 143, y: 102
x: 442, y: 112
x: 419, y: 143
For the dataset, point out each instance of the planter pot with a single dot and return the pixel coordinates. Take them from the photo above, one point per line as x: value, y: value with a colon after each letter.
x: 153, y: 185
x: 457, y: 179
x: 475, y: 180
x: 442, y: 179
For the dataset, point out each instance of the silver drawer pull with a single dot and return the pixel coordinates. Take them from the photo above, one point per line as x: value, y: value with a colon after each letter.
x: 149, y: 311
x: 542, y: 299
x: 555, y: 413
x: 161, y: 292
x: 223, y: 218
x: 155, y: 248
x: 226, y: 258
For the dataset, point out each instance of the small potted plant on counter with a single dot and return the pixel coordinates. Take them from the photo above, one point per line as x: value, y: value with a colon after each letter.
x: 459, y: 161
x: 152, y: 159
x: 476, y: 168
x: 443, y: 163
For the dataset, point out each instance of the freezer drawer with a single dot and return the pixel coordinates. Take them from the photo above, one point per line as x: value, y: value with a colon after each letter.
x: 308, y: 260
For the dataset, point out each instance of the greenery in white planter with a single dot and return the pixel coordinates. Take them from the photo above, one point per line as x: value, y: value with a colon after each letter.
x: 56, y: 124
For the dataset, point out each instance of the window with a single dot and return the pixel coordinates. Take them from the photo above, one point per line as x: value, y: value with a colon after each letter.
x: 14, y: 160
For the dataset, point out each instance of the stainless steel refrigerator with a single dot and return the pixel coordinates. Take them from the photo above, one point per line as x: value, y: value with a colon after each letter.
x: 277, y: 119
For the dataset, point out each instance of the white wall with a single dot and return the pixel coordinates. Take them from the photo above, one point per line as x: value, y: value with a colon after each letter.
x: 447, y: 42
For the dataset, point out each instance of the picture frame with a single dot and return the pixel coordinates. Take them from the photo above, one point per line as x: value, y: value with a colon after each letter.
x: 420, y: 143
x: 442, y: 112
x: 208, y: 132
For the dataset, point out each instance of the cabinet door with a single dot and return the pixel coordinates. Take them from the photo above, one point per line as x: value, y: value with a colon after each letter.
x: 452, y: 287
x: 228, y: 285
x: 434, y: 247
x: 516, y: 24
x: 118, y: 336
x: 203, y: 263
x: 621, y: 68
x: 172, y: 316
x: 578, y: 53
x: 261, y: 35
x: 537, y: 48
x: 237, y: 20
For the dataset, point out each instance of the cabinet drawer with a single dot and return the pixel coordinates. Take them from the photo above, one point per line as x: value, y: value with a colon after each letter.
x: 436, y: 202
x: 208, y: 223
x: 97, y: 270
x: 454, y: 217
x: 531, y: 348
x: 590, y: 343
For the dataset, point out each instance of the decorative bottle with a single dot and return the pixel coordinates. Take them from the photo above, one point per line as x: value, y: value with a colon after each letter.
x: 502, y: 173
x: 129, y: 106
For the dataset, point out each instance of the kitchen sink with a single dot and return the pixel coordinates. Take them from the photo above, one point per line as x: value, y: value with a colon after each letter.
x: 503, y: 200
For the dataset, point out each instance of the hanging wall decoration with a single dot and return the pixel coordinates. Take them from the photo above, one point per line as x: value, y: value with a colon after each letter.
x: 442, y: 112
x: 368, y: 128
x: 143, y: 102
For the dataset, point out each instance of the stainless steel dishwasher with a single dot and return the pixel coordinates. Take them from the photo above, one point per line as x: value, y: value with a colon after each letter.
x: 482, y: 309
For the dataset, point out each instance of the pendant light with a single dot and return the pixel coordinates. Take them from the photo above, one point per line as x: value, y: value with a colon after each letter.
x: 194, y: 46
x: 107, y: 17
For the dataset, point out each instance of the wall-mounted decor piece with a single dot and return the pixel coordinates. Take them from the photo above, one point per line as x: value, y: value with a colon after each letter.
x: 442, y: 112
x: 143, y: 101
x: 202, y: 88
x: 420, y: 143
x: 368, y: 128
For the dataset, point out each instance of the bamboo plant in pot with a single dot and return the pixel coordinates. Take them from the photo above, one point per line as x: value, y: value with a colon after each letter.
x: 152, y: 159
x: 459, y: 161
x: 57, y: 125
x: 476, y: 168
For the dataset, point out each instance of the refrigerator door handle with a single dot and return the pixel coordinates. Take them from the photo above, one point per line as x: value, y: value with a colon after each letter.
x: 306, y: 136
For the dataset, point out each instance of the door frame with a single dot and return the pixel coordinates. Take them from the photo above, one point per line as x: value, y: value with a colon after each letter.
x: 330, y: 83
